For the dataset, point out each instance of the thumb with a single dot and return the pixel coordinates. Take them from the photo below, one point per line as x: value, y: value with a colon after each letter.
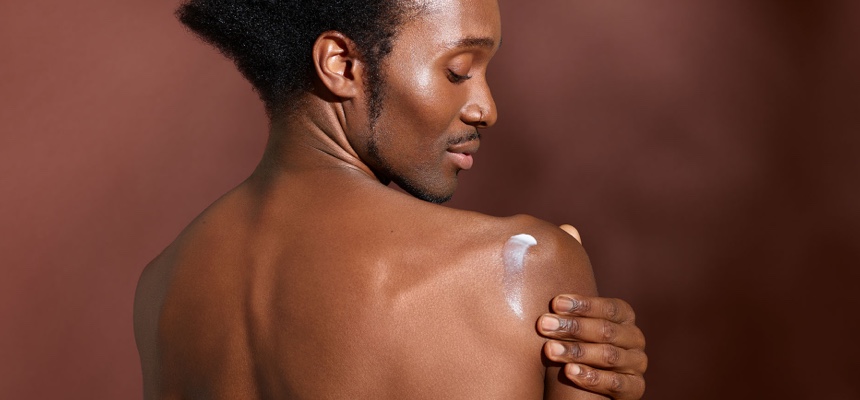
x: 572, y: 232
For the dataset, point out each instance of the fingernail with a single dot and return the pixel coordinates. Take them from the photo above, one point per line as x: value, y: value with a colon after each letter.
x: 565, y: 304
x: 556, y: 349
x: 549, y: 323
x: 575, y: 369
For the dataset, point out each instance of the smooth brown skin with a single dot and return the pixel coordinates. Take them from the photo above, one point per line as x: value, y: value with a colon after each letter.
x: 314, y: 280
x: 599, y: 339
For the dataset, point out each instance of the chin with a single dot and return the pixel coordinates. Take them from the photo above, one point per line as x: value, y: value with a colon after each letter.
x: 432, y: 195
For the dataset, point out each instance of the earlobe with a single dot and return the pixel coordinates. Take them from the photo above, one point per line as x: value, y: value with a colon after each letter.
x: 337, y: 65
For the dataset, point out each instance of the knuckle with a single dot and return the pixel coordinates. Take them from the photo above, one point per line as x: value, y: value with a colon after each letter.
x: 590, y: 377
x: 611, y: 355
x: 570, y: 325
x: 575, y: 351
x: 616, y: 385
x: 612, y: 310
x: 582, y: 306
x: 608, y: 332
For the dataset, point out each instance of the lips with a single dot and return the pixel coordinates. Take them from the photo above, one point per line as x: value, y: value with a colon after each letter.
x: 462, y: 153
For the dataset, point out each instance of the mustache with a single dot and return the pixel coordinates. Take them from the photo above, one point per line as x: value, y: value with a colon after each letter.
x: 465, y: 138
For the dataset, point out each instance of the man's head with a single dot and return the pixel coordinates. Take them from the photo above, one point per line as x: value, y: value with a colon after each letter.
x: 435, y: 98
x: 270, y: 40
x: 407, y: 77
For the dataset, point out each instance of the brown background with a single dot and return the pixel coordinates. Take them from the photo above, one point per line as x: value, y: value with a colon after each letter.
x: 707, y: 150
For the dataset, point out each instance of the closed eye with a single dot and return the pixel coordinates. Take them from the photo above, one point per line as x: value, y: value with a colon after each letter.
x: 457, y: 78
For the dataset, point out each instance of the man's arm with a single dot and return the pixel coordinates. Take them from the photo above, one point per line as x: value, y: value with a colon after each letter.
x: 599, y: 340
x: 555, y: 263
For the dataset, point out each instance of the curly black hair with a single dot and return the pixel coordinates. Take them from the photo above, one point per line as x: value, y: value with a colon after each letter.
x: 271, y: 40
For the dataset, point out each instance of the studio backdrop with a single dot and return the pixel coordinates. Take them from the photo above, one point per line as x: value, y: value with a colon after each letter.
x: 707, y: 151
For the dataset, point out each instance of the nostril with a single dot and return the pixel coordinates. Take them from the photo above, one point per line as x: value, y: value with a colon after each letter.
x: 482, y: 122
x: 477, y: 116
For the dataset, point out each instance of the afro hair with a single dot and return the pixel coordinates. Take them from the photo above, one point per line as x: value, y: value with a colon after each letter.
x: 270, y: 41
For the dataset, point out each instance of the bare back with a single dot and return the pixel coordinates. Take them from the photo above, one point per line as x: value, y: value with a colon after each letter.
x: 347, y: 291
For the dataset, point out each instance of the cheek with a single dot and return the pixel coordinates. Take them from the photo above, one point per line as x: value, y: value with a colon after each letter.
x: 421, y: 102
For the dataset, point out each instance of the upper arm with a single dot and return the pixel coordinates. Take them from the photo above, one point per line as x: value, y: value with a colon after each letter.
x: 557, y: 264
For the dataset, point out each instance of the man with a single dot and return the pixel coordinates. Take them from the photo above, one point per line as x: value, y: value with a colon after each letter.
x: 313, y: 279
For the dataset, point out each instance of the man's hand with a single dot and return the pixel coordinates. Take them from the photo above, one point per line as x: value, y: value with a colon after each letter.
x: 598, y: 339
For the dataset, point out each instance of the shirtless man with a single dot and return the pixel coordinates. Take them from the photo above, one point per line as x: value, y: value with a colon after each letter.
x: 315, y: 280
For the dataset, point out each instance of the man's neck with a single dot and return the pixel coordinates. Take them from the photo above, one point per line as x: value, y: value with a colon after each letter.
x: 311, y: 137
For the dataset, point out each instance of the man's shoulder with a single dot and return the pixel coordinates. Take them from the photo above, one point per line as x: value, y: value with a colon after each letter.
x: 552, y: 260
x: 524, y: 263
x: 550, y: 241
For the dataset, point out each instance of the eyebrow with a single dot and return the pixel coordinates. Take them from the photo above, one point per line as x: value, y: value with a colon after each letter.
x: 475, y: 42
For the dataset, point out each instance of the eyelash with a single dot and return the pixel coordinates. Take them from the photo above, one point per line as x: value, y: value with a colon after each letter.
x: 456, y: 78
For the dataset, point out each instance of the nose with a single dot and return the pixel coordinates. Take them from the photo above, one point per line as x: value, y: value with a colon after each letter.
x: 480, y: 110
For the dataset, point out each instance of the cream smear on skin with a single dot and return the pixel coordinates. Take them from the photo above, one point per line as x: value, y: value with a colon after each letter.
x: 514, y: 253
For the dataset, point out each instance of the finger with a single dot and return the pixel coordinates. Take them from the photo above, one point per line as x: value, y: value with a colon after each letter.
x: 572, y: 232
x: 615, y: 310
x: 602, y: 356
x: 615, y: 385
x: 591, y: 330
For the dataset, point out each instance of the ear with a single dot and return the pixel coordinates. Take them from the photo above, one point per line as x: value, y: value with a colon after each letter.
x: 337, y: 64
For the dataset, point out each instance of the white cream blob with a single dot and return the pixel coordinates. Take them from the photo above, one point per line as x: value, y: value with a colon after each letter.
x: 514, y: 253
